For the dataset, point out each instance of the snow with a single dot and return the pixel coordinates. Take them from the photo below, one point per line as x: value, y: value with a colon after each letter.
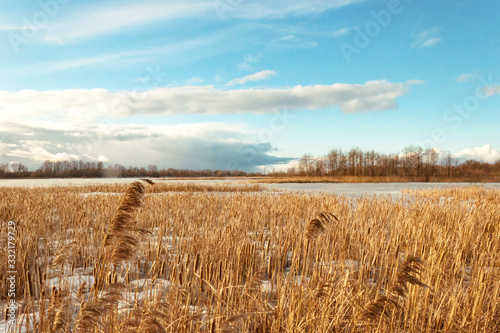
x: 347, y: 189
x: 362, y: 189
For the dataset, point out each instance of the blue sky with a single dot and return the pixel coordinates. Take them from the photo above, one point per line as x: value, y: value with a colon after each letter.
x: 225, y: 84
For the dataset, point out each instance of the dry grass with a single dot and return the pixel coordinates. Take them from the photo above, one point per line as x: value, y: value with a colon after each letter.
x: 161, y: 187
x: 191, y: 261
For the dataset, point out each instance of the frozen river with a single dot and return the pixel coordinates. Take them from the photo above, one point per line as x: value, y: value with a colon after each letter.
x: 348, y: 189
x: 359, y: 189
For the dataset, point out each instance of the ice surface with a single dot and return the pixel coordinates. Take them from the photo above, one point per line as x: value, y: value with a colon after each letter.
x: 347, y: 189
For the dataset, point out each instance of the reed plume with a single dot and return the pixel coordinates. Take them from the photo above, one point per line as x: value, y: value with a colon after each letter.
x: 408, y: 273
x: 316, y: 226
x: 121, y: 239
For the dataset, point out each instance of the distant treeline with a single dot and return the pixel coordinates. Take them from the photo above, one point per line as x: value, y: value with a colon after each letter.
x: 412, y: 163
x: 82, y: 169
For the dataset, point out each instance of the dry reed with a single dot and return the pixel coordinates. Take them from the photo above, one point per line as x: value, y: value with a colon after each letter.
x: 194, y: 261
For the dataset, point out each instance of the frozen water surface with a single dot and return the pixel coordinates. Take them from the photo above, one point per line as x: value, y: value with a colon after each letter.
x: 347, y: 189
x: 361, y: 189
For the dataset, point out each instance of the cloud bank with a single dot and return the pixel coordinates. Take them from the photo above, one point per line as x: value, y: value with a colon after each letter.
x: 78, y: 103
x: 89, y: 124
x: 190, y: 146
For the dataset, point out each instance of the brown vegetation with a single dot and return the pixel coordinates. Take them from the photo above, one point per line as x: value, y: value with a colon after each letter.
x: 92, y: 169
x: 199, y: 262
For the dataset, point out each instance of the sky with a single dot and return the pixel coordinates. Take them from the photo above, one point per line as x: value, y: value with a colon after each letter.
x: 247, y: 85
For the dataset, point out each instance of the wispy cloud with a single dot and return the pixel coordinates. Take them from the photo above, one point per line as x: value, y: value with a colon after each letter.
x: 111, y: 17
x: 10, y: 28
x: 248, y: 60
x: 350, y: 98
x: 287, y: 38
x: 294, y: 41
x: 260, y: 9
x: 341, y: 32
x: 426, y: 38
x: 467, y: 77
x: 195, y: 80
x: 253, y: 77
x: 180, y: 51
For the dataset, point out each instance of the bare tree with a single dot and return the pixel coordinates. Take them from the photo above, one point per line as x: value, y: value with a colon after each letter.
x: 305, y: 164
x: 332, y: 161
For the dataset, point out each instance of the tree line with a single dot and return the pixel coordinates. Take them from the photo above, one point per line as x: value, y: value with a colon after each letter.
x: 87, y: 169
x: 412, y: 162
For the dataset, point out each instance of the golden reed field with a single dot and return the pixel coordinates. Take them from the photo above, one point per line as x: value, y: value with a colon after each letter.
x: 194, y: 258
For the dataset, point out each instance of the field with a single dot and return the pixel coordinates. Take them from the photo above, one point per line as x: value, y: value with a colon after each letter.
x: 223, y: 258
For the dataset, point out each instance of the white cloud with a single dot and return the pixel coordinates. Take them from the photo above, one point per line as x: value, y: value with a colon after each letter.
x: 112, y: 17
x: 248, y: 60
x: 426, y: 38
x: 431, y: 42
x: 293, y: 163
x: 341, y: 32
x: 483, y: 154
x: 35, y: 151
x: 89, y: 104
x: 195, y: 80
x: 294, y: 41
x: 467, y: 77
x: 253, y: 77
x: 64, y: 124
x: 287, y: 38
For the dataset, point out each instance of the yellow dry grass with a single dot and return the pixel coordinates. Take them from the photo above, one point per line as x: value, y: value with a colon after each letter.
x: 240, y: 261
